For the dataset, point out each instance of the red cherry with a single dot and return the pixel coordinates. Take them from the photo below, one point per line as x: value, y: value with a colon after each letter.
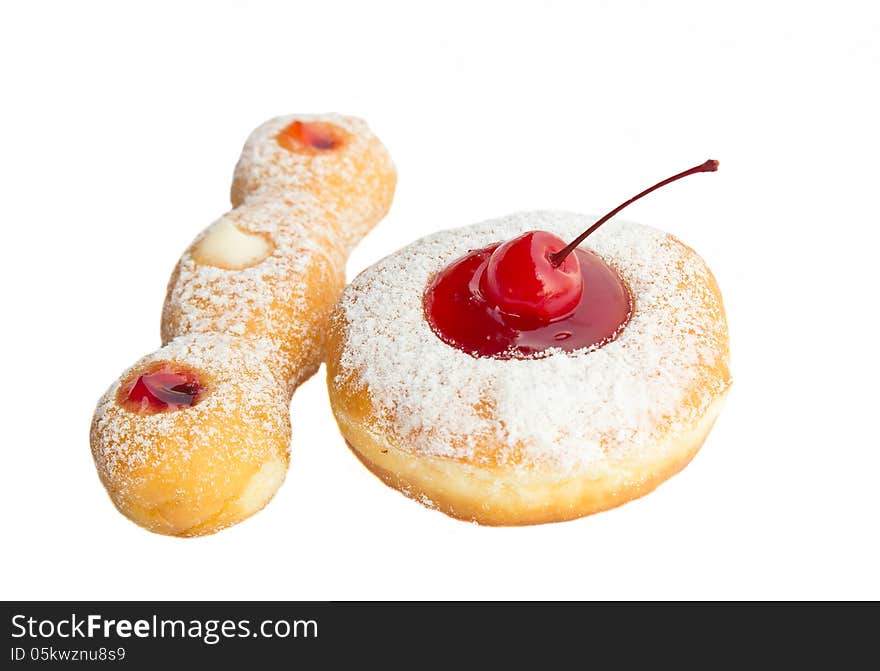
x: 317, y: 135
x: 533, y: 293
x: 460, y: 315
x: 522, y: 282
x: 164, y: 390
x: 535, y: 277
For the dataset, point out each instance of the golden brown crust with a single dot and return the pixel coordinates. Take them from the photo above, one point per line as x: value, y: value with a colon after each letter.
x: 499, y: 496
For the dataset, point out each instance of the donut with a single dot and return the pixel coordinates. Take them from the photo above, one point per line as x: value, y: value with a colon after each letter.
x: 544, y: 421
x: 195, y: 437
x: 188, y: 472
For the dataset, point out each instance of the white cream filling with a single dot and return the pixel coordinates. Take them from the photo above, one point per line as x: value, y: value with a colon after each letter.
x: 224, y: 245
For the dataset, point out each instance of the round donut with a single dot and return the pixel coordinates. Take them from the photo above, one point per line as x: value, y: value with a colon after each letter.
x: 194, y: 471
x: 530, y: 441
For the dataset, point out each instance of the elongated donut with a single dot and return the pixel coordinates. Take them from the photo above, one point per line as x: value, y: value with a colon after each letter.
x: 195, y: 437
x: 530, y: 440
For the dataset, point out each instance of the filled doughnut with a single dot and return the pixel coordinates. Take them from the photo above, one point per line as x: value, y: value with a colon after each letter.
x: 503, y: 377
x: 195, y: 437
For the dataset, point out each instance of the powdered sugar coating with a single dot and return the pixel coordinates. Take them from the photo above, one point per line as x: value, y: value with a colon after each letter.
x: 273, y: 298
x: 568, y: 412
x: 356, y: 180
x: 242, y: 388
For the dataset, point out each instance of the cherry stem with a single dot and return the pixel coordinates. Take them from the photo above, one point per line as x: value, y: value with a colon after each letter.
x: 558, y: 257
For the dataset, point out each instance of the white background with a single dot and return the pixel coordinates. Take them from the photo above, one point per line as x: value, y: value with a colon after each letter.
x: 120, y: 128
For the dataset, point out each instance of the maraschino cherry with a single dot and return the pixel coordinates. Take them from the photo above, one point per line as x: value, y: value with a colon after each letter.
x: 521, y: 280
x: 163, y: 388
x: 532, y: 293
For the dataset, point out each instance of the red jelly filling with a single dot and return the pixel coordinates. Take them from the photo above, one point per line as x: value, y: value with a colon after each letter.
x: 314, y: 135
x: 459, y: 312
x: 168, y: 387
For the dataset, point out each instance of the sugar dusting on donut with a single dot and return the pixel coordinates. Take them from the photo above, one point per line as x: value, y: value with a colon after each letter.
x: 203, y: 298
x: 236, y: 369
x: 267, y: 169
x: 567, y: 411
x: 244, y: 323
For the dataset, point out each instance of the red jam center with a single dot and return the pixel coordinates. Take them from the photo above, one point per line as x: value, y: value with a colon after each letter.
x: 315, y: 135
x: 166, y: 388
x: 462, y: 317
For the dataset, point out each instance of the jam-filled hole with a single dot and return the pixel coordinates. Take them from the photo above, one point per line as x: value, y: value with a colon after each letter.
x: 162, y: 387
x: 461, y: 315
x: 313, y: 136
